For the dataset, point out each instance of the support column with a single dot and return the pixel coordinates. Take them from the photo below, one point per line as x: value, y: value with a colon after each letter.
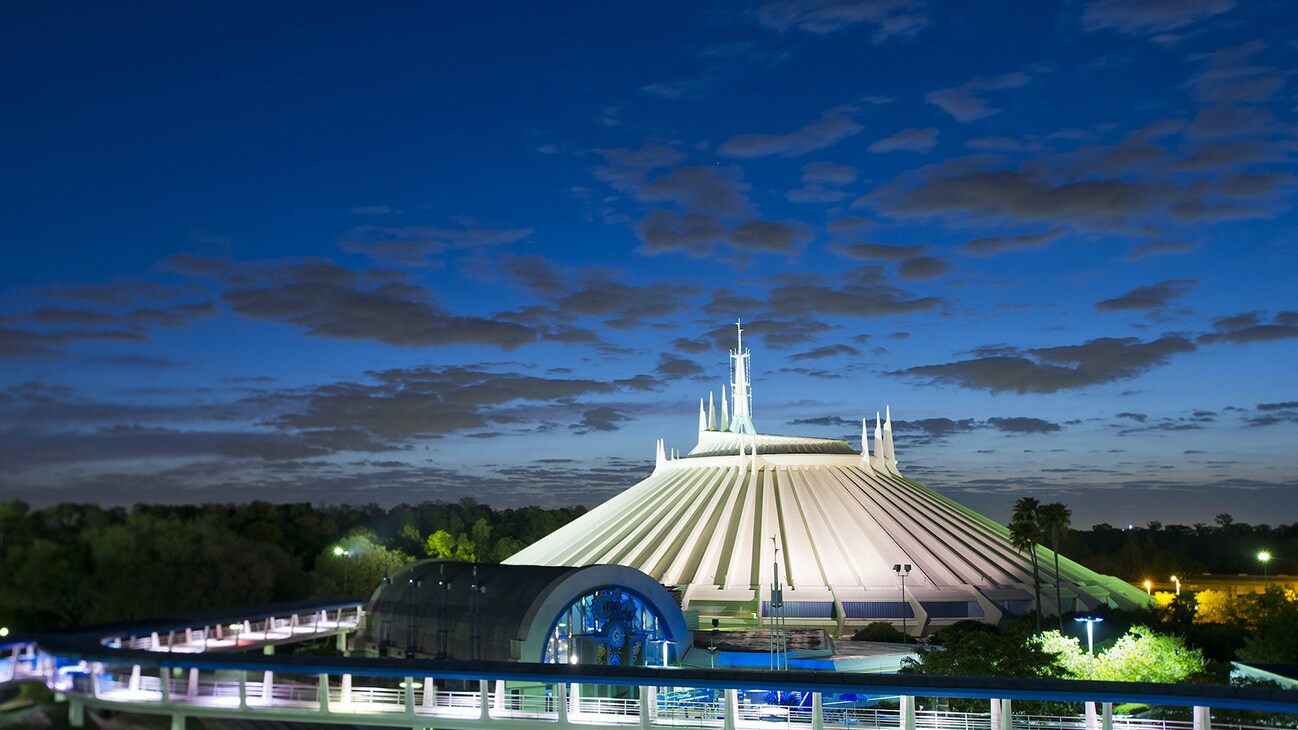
x: 484, y: 699
x: 409, y: 694
x: 268, y: 687
x: 817, y: 711
x: 1202, y: 718
x: 322, y: 693
x: 345, y: 690
x: 430, y: 693
x: 500, y: 695
x: 732, y: 709
x: 164, y: 683
x: 191, y: 689
x: 574, y: 700
x: 76, y: 713
x: 1092, y: 717
x: 645, y: 702
x: 561, y: 703
x: 1007, y: 715
x: 134, y: 683
x: 907, y: 712
x: 243, y: 690
x: 177, y: 722
x: 995, y: 711
x: 1106, y: 716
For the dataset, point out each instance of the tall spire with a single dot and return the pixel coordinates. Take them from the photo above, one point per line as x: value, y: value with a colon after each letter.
x: 725, y: 411
x: 703, y: 423
x: 889, y: 456
x: 712, y: 413
x: 741, y: 386
x: 865, y: 445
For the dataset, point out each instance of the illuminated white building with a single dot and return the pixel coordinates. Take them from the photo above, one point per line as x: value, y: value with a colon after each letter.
x: 842, y: 521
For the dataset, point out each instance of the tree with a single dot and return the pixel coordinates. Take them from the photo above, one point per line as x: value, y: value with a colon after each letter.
x: 1055, y: 519
x: 985, y: 654
x: 440, y: 544
x: 1025, y: 533
x: 1140, y: 655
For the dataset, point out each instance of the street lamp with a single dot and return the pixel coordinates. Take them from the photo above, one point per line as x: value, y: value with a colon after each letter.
x: 345, y: 554
x: 1177, y: 581
x: 1090, y: 622
x: 903, y: 570
x: 1149, y: 587
x: 1264, y: 557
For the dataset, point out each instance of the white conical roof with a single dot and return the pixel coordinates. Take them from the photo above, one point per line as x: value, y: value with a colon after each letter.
x: 841, y: 520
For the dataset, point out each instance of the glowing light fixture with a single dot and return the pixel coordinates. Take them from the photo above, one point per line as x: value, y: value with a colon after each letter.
x: 1090, y: 622
x: 1264, y: 557
x: 1149, y: 587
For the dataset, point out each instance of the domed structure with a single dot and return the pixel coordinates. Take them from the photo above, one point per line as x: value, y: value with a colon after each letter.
x: 841, y: 527
x: 604, y: 614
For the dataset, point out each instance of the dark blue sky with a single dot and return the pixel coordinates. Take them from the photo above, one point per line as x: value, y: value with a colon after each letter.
x: 353, y: 253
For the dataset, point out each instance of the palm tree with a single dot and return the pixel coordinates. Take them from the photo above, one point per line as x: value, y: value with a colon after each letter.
x: 1055, y: 519
x: 1025, y: 533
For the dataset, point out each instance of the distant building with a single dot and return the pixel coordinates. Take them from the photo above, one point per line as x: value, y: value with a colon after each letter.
x: 841, y: 525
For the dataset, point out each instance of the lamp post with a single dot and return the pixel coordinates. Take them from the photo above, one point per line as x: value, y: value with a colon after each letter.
x: 1177, y: 581
x: 345, y: 554
x: 1264, y: 557
x: 1090, y: 622
x: 1149, y: 587
x: 902, y: 570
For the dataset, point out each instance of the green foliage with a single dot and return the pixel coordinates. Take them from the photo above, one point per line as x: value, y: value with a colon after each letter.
x: 879, y: 631
x: 76, y: 563
x: 985, y: 654
x: 360, y: 570
x: 1140, y: 655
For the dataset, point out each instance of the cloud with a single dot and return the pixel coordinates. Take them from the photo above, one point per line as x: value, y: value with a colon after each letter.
x: 418, y: 245
x: 1139, y: 17
x: 889, y: 17
x: 1045, y: 195
x: 671, y: 367
x: 821, y: 353
x: 965, y: 102
x: 329, y: 301
x: 1023, y: 424
x: 1249, y: 327
x: 851, y: 300
x: 922, y: 267
x: 821, y: 183
x: 1159, y: 248
x: 993, y: 245
x: 907, y: 140
x: 711, y: 191
x: 603, y: 418
x: 1147, y: 297
x: 771, y: 236
x: 662, y: 230
x: 1052, y: 369
x: 16, y: 342
x: 1230, y: 77
x: 834, y: 126
x: 880, y: 251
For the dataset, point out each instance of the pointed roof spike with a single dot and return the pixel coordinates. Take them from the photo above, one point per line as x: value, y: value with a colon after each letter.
x: 703, y: 424
x: 712, y: 413
x: 725, y: 412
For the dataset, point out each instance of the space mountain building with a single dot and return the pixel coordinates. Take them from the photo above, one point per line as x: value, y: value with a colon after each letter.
x: 840, y: 527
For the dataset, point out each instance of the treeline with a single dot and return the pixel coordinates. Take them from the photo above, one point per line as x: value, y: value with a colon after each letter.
x: 79, y: 564
x: 1156, y: 551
